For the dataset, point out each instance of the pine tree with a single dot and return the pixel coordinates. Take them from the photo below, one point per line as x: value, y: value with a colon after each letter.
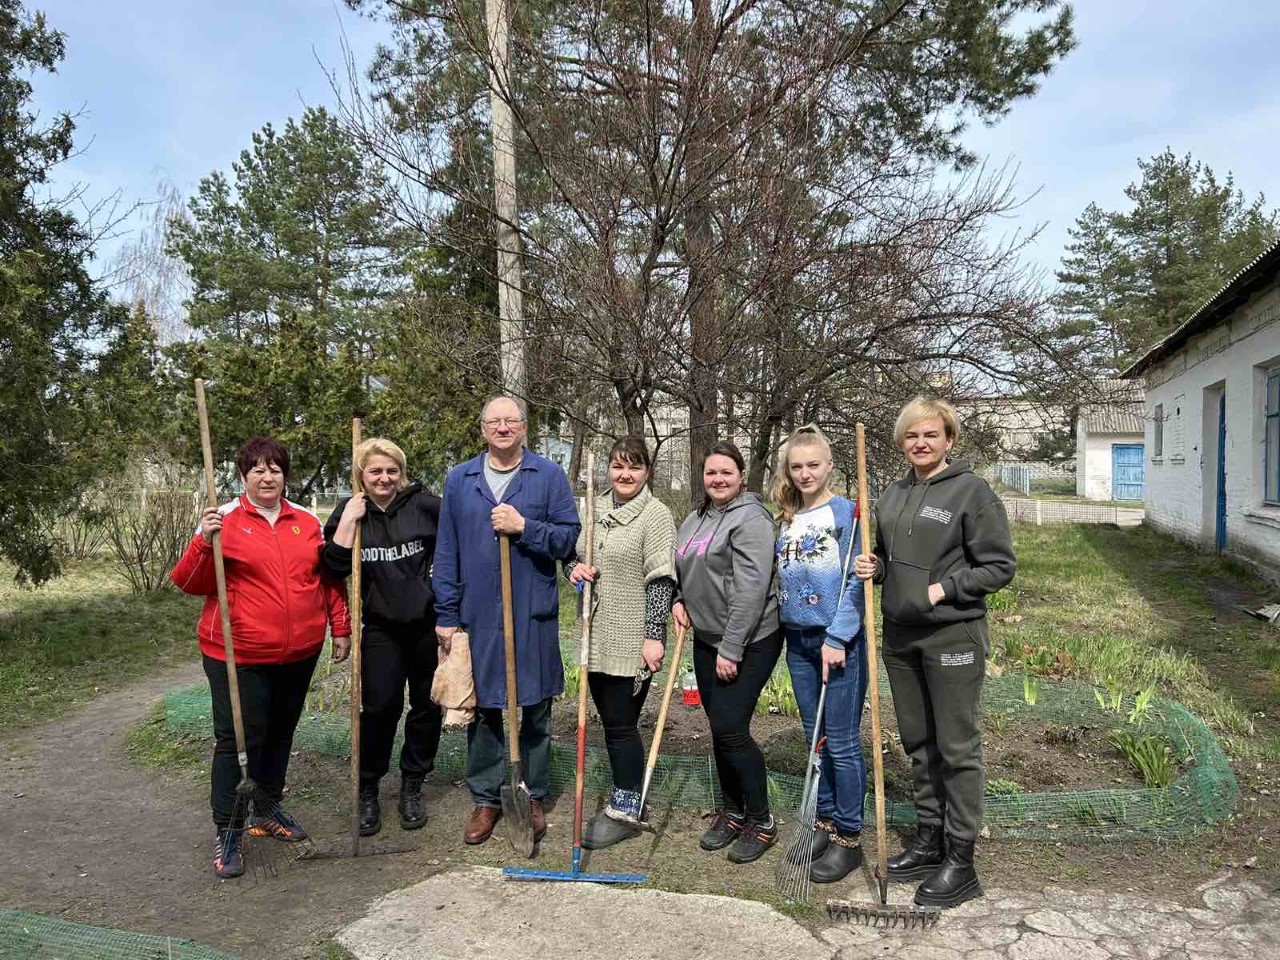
x: 53, y: 321
x: 1132, y: 276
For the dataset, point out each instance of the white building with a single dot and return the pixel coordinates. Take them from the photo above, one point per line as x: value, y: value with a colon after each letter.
x: 1213, y: 420
x: 1109, y: 443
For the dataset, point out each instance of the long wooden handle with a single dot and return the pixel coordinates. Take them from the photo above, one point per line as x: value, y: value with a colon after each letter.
x: 873, y: 666
x: 355, y: 605
x: 672, y: 670
x: 220, y: 574
x: 584, y: 654
x: 509, y: 641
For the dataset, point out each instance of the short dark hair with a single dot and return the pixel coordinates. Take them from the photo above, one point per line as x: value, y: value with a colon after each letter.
x: 725, y: 448
x: 262, y: 450
x: 631, y: 450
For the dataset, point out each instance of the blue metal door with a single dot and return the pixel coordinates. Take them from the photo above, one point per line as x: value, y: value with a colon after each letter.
x: 1220, y: 526
x: 1127, y: 477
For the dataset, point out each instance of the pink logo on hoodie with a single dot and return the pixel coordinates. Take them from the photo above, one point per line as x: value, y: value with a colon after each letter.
x: 701, y: 544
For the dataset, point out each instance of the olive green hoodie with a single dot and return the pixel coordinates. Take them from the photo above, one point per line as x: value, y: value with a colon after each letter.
x: 950, y: 529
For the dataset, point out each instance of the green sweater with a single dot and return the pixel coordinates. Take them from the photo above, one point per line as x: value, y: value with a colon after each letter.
x: 635, y: 544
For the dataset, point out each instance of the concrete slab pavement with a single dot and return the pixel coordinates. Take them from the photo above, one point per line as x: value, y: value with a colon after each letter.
x: 475, y: 913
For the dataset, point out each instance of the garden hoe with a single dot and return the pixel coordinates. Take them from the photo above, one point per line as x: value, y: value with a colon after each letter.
x: 355, y: 601
x: 574, y: 873
x: 516, y: 802
x: 881, y: 914
x: 258, y: 856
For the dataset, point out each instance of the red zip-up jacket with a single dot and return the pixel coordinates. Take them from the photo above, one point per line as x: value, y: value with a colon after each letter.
x: 280, y: 597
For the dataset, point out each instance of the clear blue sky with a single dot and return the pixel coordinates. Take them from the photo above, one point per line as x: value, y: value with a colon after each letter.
x: 174, y: 89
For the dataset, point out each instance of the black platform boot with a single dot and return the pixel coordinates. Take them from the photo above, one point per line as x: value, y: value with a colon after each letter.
x: 370, y: 809
x: 955, y: 881
x: 921, y: 857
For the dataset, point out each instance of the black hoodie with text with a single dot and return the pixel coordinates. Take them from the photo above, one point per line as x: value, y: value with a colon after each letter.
x: 396, y: 546
x: 951, y: 530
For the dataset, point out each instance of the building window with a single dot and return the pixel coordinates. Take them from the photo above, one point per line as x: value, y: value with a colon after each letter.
x: 1272, y: 489
x: 1157, y: 446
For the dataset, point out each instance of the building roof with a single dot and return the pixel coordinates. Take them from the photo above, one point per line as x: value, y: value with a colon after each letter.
x: 1259, y: 272
x: 1119, y: 408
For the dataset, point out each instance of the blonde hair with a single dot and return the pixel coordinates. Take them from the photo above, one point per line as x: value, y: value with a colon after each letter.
x: 785, y: 493
x: 922, y: 408
x: 381, y: 447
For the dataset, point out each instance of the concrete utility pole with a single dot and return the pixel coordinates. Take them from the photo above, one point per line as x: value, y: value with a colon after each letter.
x: 510, y: 306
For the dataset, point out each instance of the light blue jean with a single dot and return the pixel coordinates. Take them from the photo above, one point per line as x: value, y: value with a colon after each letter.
x: 842, y: 786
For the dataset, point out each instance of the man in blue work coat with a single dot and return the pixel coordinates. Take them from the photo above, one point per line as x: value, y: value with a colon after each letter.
x: 506, y: 491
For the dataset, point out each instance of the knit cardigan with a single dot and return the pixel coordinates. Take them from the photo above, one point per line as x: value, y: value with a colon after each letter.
x: 635, y: 544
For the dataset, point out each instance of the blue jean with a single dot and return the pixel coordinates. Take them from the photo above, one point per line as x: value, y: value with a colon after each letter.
x: 842, y: 786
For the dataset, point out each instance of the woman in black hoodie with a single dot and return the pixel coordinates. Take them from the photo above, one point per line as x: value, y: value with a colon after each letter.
x: 942, y: 545
x: 398, y: 522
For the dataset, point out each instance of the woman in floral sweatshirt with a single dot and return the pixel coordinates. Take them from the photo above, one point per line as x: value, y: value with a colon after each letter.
x: 820, y: 604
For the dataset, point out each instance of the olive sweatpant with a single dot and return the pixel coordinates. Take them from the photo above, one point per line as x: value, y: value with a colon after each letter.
x: 935, y: 672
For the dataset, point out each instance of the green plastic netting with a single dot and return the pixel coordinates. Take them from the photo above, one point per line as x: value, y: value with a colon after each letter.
x: 30, y: 936
x: 1204, y: 793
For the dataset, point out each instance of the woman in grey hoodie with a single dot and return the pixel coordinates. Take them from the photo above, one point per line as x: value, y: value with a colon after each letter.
x: 724, y: 575
x: 942, y: 545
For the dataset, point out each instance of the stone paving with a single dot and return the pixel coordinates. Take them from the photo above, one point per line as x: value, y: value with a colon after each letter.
x: 475, y: 913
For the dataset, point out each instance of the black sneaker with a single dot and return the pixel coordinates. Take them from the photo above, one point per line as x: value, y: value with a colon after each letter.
x: 228, y: 855
x: 370, y: 810
x: 724, y: 829
x: 413, y: 812
x: 279, y: 824
x: 757, y: 836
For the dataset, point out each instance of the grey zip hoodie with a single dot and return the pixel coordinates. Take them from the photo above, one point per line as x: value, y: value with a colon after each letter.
x: 724, y: 572
x: 950, y: 529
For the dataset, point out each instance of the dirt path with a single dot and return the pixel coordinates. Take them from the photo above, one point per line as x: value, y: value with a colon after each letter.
x: 93, y: 838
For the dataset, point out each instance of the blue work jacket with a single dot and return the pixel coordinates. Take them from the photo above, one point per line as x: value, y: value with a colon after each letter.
x: 468, y: 585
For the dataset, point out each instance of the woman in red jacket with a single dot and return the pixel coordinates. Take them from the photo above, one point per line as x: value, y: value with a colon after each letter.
x: 281, y: 602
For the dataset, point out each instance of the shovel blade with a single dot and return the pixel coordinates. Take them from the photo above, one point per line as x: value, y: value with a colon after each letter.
x: 517, y: 814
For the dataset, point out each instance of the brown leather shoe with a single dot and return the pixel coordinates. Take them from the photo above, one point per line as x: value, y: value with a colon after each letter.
x: 537, y: 820
x: 480, y: 826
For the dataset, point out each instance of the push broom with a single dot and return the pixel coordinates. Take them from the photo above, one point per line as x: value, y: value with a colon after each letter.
x: 574, y: 873
x: 880, y: 913
x: 261, y: 861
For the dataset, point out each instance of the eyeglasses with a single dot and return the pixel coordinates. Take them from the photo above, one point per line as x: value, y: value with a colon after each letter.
x: 496, y: 422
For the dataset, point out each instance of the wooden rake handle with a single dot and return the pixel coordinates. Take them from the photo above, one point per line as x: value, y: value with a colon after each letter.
x: 873, y: 669
x: 355, y: 604
x: 672, y: 669
x: 220, y: 575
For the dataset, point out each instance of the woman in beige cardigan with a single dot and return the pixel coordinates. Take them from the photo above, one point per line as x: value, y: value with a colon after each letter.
x: 634, y: 586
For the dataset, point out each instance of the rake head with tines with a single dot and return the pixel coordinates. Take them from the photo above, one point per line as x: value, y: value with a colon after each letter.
x: 259, y: 857
x: 791, y: 879
x: 883, y: 915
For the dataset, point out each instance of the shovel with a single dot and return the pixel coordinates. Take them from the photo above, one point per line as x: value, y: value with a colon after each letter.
x: 516, y: 809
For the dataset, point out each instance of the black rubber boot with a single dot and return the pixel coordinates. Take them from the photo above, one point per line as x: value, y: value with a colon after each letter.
x: 370, y: 810
x: 413, y: 812
x: 842, y: 857
x: 955, y: 881
x: 921, y: 857
x: 604, y: 831
x: 822, y: 830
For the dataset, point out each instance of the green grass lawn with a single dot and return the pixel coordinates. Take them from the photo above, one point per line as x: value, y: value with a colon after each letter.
x: 1134, y: 607
x: 62, y: 643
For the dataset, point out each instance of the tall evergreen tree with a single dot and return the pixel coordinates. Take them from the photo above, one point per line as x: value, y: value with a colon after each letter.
x: 1131, y: 276
x: 53, y: 322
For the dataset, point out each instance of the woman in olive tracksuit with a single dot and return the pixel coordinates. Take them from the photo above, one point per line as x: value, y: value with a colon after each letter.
x: 942, y: 545
x: 398, y: 522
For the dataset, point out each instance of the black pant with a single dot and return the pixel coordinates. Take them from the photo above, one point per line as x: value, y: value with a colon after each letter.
x: 391, y: 655
x: 744, y: 787
x: 936, y: 674
x: 272, y: 696
x: 619, y: 710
